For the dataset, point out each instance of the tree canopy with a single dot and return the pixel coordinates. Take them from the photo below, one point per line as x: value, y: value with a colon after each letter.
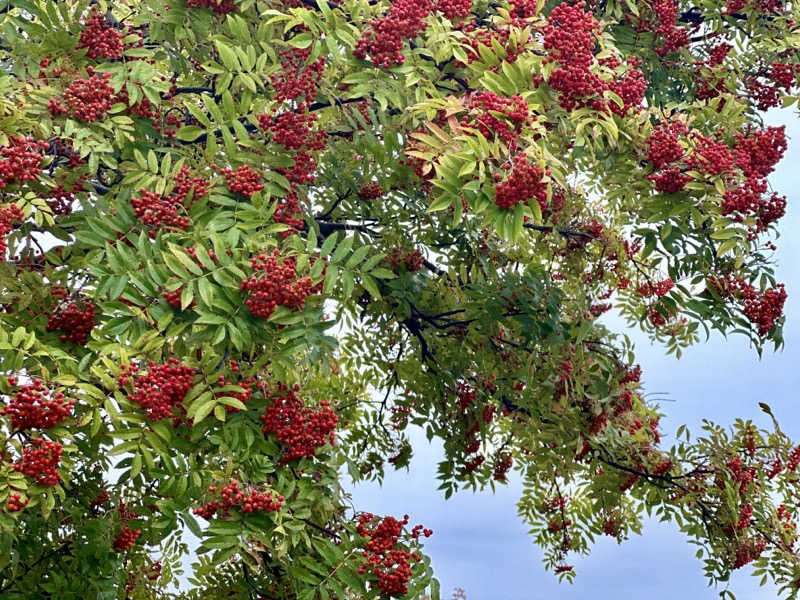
x: 247, y: 244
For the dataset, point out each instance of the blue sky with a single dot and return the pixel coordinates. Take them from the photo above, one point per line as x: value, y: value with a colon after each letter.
x: 480, y: 544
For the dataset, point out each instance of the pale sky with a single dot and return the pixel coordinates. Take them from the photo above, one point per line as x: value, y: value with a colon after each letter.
x: 480, y: 544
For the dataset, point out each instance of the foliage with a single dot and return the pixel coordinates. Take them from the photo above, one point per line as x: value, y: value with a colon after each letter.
x: 248, y: 244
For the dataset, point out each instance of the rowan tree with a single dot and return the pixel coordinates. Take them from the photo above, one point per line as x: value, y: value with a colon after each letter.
x: 248, y: 244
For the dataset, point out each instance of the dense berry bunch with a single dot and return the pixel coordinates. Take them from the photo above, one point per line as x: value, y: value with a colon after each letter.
x: 662, y: 145
x: 296, y: 79
x: 758, y: 153
x: 301, y: 429
x: 762, y: 309
x: 218, y: 6
x: 60, y: 199
x: 411, y: 259
x: 292, y: 129
x: 231, y: 497
x: 569, y: 39
x: 161, y: 389
x: 453, y: 9
x: 34, y: 407
x: 389, y: 564
x: 40, y: 459
x: 766, y: 308
x: 383, y: 39
x: 674, y: 38
x: 125, y: 538
x: 15, y: 502
x: 275, y: 283
x: 656, y: 288
x: 747, y: 551
x: 99, y: 38
x: 748, y: 199
x: 496, y: 116
x: 521, y: 184
x: 710, y: 156
x: 569, y: 35
x: 8, y: 215
x: 243, y: 180
x: 301, y: 172
x: 74, y: 319
x: 502, y: 463
x: 85, y: 99
x: 288, y: 211
x: 20, y: 160
x: 185, y: 185
x: 370, y: 191
x: 744, y: 516
x: 670, y: 181
x: 160, y: 211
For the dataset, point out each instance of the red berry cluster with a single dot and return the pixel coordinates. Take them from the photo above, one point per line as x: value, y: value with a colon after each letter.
x: 220, y: 7
x: 674, y: 38
x: 484, y: 36
x: 275, y: 284
x: 388, y: 563
x: 370, y: 191
x: 125, y: 538
x: 747, y: 199
x: 766, y: 90
x: 162, y: 211
x: 34, y: 407
x: 288, y: 211
x: 383, y: 39
x: 453, y: 9
x: 99, y: 37
x: 301, y: 172
x: 744, y: 516
x: 85, y: 99
x: 521, y: 184
x: 296, y: 79
x: 76, y: 320
x: 762, y: 309
x: 758, y: 152
x: 569, y: 35
x: 497, y: 117
x: 161, y: 389
x: 655, y: 288
x: 747, y: 551
x: 8, y: 215
x: 15, y: 502
x: 502, y: 463
x: 60, y: 199
x: 292, y: 129
x: 709, y: 156
x: 793, y: 459
x: 243, y: 180
x: 39, y: 459
x: 412, y: 260
x: 663, y: 147
x: 669, y: 181
x: 300, y: 428
x: 765, y: 309
x: 569, y: 39
x: 631, y: 375
x: 233, y: 497
x: 20, y: 159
